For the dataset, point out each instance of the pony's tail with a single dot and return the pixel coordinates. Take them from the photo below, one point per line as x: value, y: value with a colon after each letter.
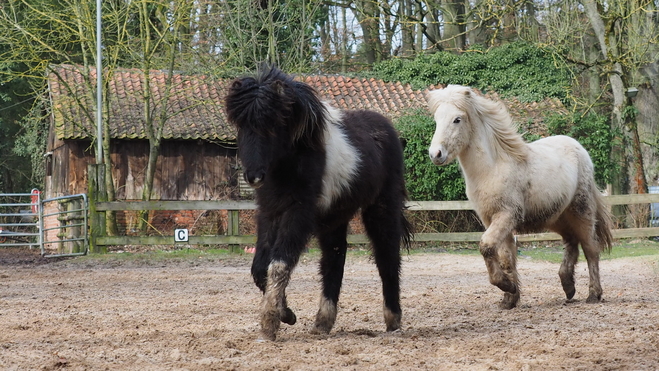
x: 603, y: 223
x: 408, y: 231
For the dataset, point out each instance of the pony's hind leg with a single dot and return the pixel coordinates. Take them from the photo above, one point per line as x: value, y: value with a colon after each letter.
x: 334, y: 246
x: 566, y: 272
x: 592, y: 252
x: 385, y: 227
x: 583, y: 232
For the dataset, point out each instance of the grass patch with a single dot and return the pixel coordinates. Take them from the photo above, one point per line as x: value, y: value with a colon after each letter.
x: 551, y: 252
x: 156, y: 257
x: 621, y: 249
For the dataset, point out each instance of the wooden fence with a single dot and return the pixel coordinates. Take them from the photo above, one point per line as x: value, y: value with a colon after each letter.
x: 233, y: 207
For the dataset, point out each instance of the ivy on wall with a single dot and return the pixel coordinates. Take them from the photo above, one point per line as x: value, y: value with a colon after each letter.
x: 594, y: 133
x: 518, y: 69
x: 426, y: 181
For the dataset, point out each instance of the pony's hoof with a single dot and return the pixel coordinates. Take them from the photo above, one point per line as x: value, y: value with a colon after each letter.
x: 289, y: 317
x: 393, y: 327
x: 509, y: 301
x: 269, y: 326
x: 392, y: 320
x: 321, y: 329
x: 266, y: 336
x: 569, y: 292
x: 594, y: 298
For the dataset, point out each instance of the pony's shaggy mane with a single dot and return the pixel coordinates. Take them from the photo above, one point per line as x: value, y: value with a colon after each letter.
x: 290, y: 102
x: 491, y: 115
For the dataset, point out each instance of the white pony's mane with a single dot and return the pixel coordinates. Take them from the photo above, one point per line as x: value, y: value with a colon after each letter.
x: 491, y: 115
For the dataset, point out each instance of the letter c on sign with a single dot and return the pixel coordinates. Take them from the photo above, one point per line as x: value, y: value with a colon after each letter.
x: 180, y: 235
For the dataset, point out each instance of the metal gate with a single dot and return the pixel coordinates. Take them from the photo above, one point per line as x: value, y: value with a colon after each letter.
x: 57, y: 226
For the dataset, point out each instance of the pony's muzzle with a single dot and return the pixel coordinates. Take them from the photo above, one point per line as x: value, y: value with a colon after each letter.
x: 254, y: 179
x: 438, y: 155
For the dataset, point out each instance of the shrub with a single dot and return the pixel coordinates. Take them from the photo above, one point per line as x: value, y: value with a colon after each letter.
x: 594, y: 132
x: 426, y: 181
x: 518, y: 69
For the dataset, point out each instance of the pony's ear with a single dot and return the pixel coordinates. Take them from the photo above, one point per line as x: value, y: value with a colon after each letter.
x: 236, y: 84
x: 432, y: 97
x: 467, y: 92
x: 278, y: 87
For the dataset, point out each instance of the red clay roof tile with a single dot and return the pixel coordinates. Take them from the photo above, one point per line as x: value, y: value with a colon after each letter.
x: 195, y: 103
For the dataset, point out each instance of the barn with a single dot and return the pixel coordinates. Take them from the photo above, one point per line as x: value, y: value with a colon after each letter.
x: 198, y: 158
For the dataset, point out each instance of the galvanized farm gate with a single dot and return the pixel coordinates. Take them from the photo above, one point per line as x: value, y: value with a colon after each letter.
x: 57, y: 226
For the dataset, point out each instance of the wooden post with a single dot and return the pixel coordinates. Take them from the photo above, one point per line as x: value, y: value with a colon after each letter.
x: 233, y: 228
x: 68, y: 231
x: 96, y: 193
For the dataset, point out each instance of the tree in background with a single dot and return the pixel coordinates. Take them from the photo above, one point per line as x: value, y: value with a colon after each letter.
x: 607, y: 46
x: 611, y: 44
x: 16, y: 174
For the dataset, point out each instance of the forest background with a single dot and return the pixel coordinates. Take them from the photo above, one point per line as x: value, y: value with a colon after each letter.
x: 599, y: 58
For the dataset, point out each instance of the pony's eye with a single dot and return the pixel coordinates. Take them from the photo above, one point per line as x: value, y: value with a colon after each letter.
x: 457, y: 120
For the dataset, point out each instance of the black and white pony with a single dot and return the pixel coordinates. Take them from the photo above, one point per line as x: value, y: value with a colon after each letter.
x: 313, y: 167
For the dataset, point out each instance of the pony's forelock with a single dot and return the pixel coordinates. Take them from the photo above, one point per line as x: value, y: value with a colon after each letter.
x: 492, y: 114
x: 272, y: 97
x: 450, y: 94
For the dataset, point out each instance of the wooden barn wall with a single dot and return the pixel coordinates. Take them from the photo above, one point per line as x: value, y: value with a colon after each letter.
x: 67, y: 168
x: 186, y: 170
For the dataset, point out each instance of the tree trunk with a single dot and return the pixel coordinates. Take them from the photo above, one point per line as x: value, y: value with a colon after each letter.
x: 405, y: 14
x: 621, y: 113
x: 454, y: 29
x: 367, y: 15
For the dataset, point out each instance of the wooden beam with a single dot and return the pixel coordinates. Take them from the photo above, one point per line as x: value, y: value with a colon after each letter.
x: 439, y: 205
x: 644, y: 198
x: 176, y: 205
x: 235, y: 239
x: 250, y: 205
x: 169, y: 240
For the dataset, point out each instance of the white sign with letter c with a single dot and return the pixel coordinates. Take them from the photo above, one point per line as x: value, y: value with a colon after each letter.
x: 180, y: 235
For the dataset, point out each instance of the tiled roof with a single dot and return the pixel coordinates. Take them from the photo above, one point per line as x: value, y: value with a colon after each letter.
x: 196, y: 103
x: 391, y: 99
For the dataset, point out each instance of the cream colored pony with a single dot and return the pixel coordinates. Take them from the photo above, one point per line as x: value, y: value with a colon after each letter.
x: 518, y: 187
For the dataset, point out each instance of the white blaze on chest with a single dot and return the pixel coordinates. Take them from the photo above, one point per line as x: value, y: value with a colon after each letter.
x: 342, y: 161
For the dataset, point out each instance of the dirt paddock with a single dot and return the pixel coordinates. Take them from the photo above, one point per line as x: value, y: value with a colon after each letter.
x: 200, y: 313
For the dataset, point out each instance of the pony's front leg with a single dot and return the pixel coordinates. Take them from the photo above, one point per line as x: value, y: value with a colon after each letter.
x: 508, y: 261
x: 284, y: 255
x: 273, y: 305
x: 497, y: 246
x: 261, y: 273
x: 334, y: 246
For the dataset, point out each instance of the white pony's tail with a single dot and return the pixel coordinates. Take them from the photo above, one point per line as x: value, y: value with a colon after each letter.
x: 603, y: 222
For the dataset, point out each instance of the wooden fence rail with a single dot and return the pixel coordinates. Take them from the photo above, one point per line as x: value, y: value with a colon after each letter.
x: 233, y: 238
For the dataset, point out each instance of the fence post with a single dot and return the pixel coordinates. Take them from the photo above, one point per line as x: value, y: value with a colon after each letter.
x: 233, y: 228
x: 96, y: 193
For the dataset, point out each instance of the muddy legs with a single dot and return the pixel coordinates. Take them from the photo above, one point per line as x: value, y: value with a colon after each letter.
x: 592, y: 254
x: 566, y: 272
x: 273, y: 305
x: 500, y: 253
x: 570, y: 257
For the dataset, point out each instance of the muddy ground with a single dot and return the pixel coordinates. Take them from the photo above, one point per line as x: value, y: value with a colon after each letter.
x: 200, y: 313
